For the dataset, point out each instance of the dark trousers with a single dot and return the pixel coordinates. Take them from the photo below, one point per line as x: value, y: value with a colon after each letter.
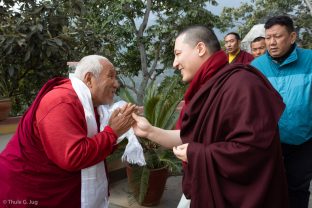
x: 298, y: 165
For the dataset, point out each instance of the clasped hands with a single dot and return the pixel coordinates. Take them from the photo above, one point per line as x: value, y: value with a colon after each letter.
x: 122, y: 119
x: 144, y: 129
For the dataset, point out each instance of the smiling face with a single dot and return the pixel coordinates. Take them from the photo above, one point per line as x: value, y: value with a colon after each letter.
x: 278, y: 40
x: 103, y: 88
x: 231, y: 44
x: 187, y: 58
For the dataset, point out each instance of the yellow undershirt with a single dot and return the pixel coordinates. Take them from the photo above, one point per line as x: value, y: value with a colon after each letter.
x: 232, y: 57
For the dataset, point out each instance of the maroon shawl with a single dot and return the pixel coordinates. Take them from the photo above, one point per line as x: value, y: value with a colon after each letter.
x: 234, y: 154
x: 207, y: 70
x: 25, y: 130
x: 242, y: 57
x: 17, y: 166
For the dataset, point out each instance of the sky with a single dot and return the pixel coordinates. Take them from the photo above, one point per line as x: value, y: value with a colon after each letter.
x: 215, y: 10
x: 227, y: 3
x: 218, y: 9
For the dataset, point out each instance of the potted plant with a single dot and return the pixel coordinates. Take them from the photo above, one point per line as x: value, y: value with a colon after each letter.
x: 5, y: 101
x: 147, y: 183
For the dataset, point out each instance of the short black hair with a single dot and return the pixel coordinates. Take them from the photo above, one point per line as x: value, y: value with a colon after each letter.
x: 201, y: 33
x: 257, y: 39
x: 235, y: 34
x: 282, y: 20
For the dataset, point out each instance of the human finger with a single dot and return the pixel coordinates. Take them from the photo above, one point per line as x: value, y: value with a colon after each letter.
x: 123, y: 108
x: 176, y: 151
x: 135, y: 117
x: 130, y: 109
x: 182, y: 149
x: 115, y: 113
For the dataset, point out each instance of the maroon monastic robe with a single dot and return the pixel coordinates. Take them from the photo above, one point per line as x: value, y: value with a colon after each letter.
x: 42, y: 162
x: 230, y: 121
x: 242, y: 57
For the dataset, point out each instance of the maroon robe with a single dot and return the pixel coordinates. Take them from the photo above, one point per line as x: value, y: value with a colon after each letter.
x: 242, y: 57
x: 42, y: 162
x: 234, y: 154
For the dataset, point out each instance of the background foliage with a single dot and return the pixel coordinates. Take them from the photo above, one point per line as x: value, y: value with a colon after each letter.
x: 37, y: 38
x: 138, y: 35
x: 258, y: 11
x: 34, y: 46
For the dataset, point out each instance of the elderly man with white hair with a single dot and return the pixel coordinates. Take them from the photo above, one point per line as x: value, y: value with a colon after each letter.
x: 56, y: 157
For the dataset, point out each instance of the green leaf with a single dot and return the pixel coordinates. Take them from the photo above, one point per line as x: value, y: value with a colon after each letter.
x: 126, y: 96
x: 58, y: 41
x: 37, y: 10
x: 144, y: 183
x: 27, y: 55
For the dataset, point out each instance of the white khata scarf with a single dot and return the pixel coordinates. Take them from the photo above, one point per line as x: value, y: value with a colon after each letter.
x: 94, y: 185
x: 133, y: 153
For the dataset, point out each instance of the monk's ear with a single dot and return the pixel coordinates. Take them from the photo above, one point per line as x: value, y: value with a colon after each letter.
x: 201, y: 48
x: 87, y: 79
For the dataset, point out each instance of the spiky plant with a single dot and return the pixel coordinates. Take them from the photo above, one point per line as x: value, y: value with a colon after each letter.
x: 160, y: 110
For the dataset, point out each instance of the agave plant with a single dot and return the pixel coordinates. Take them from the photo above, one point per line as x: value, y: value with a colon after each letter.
x: 160, y: 110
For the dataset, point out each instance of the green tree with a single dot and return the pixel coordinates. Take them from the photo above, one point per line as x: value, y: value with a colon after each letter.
x: 258, y: 11
x: 34, y: 45
x: 138, y: 35
x: 37, y: 38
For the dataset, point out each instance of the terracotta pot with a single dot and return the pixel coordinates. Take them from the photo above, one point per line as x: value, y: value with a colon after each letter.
x: 5, y: 108
x: 156, y: 184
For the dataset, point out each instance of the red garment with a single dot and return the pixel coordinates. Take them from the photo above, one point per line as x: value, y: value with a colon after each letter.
x: 234, y: 154
x: 242, y: 57
x: 43, y: 160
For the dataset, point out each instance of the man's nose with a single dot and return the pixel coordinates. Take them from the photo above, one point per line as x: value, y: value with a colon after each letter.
x: 175, y: 64
x: 116, y: 84
x: 272, y: 41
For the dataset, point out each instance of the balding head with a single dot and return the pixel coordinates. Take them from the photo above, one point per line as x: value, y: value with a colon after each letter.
x: 92, y: 63
x: 99, y: 75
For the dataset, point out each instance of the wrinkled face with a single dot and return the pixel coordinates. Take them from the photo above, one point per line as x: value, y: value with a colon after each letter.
x: 186, y: 59
x: 278, y: 40
x: 104, y: 87
x: 258, y: 48
x: 231, y: 44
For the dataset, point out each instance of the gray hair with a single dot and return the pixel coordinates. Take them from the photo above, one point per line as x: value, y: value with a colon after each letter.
x: 91, y: 64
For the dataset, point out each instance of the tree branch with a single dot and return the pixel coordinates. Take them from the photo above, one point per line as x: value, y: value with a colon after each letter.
x: 153, y: 67
x: 141, y: 45
x: 157, y: 54
x: 145, y: 18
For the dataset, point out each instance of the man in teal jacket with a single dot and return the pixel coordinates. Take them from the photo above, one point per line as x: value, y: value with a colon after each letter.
x: 289, y: 69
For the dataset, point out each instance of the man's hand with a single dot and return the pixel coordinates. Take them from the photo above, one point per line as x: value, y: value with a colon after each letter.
x: 181, y: 152
x: 141, y: 126
x: 121, y: 119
